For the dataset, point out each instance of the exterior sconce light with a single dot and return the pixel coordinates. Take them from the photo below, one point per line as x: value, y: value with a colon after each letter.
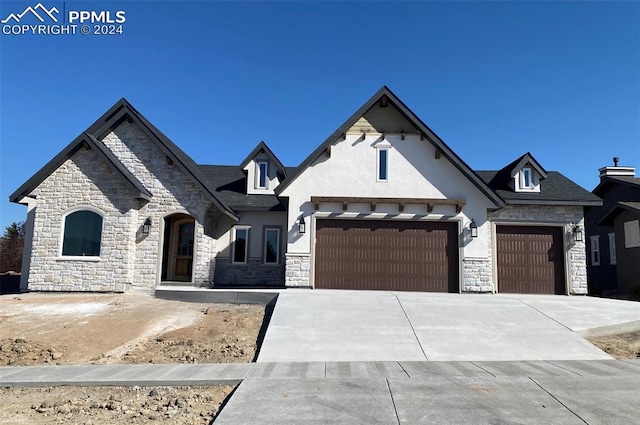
x: 146, y: 227
x: 473, y: 229
x: 302, y: 226
x: 577, y: 233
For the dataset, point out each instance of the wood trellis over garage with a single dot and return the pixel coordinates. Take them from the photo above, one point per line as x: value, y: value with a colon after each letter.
x: 401, y: 202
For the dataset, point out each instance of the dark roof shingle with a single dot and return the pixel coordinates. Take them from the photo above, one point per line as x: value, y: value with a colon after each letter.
x: 230, y: 184
x: 556, y: 189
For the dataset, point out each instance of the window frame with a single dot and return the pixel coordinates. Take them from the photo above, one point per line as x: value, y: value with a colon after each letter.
x: 266, y: 229
x: 595, y: 250
x: 63, y: 228
x: 234, y: 237
x: 523, y: 179
x: 379, y: 157
x: 260, y: 174
x: 631, y: 234
x: 612, y: 249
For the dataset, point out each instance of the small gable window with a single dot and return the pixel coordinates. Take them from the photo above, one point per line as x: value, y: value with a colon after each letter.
x: 383, y: 165
x: 240, y: 245
x: 527, y: 179
x: 82, y: 234
x: 262, y: 175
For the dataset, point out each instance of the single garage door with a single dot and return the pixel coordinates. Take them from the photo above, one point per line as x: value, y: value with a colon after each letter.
x: 386, y: 255
x: 530, y: 260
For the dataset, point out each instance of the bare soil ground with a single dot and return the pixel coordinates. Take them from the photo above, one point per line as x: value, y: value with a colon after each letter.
x: 620, y: 346
x: 58, y: 329
x: 111, y: 405
x: 135, y: 327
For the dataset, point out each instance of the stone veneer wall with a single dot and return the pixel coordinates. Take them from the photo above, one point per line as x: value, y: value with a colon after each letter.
x: 84, y: 180
x: 561, y: 215
x: 298, y: 270
x: 252, y: 274
x: 173, y: 191
x: 126, y: 255
x: 478, y: 275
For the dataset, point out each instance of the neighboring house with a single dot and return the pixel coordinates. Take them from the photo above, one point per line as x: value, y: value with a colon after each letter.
x: 383, y: 203
x: 613, y: 232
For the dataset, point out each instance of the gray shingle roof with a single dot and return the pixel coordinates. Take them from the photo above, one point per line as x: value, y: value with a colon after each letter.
x: 629, y: 181
x: 556, y: 189
x: 607, y: 219
x: 230, y: 184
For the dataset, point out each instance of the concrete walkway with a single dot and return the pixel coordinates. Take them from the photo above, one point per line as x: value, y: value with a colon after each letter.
x: 325, y: 325
x: 530, y: 392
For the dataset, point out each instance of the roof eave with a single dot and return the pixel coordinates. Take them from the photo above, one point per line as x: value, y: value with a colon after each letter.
x: 415, y: 120
x: 584, y: 203
x: 166, y: 145
x: 263, y: 146
x: 527, y: 158
x: 67, y: 153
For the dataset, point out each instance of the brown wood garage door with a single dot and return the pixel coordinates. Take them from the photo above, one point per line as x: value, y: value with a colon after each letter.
x: 530, y: 260
x: 386, y: 255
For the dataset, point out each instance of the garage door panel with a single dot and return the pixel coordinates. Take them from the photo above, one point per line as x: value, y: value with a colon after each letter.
x: 530, y: 259
x: 384, y: 255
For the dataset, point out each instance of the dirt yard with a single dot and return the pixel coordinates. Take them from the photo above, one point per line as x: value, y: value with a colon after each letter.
x: 111, y: 405
x: 135, y: 327
x: 59, y: 329
x: 620, y: 346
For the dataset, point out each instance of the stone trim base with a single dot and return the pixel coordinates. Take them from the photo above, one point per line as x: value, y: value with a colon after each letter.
x: 297, y: 270
x: 478, y: 275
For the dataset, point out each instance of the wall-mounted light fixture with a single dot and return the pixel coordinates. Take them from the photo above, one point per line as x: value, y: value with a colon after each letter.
x: 302, y: 226
x: 473, y: 229
x: 146, y: 227
x: 577, y: 233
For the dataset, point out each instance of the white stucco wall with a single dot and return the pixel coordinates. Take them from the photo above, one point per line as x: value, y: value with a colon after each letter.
x: 414, y: 172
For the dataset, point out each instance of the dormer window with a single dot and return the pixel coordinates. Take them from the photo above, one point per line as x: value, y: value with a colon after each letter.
x: 262, y: 174
x: 527, y: 179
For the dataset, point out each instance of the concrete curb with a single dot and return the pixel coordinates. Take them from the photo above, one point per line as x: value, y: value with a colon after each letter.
x: 235, y: 373
x: 611, y: 329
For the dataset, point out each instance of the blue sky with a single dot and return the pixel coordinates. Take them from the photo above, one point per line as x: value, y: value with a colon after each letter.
x: 493, y: 79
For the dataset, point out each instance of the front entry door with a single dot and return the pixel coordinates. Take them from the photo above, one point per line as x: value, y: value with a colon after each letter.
x: 181, y: 251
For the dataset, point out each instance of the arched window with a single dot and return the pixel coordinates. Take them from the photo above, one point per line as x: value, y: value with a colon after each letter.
x: 82, y: 234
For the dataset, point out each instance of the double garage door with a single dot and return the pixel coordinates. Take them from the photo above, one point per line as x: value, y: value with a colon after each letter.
x: 386, y: 255
x: 423, y: 256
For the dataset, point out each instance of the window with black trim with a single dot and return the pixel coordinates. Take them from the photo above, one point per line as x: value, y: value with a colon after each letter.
x: 82, y: 234
x: 240, y: 245
x: 527, y: 179
x: 262, y: 174
x: 271, y: 246
x: 383, y: 165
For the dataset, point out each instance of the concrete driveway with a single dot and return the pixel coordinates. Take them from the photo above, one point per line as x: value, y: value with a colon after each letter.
x: 325, y: 325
